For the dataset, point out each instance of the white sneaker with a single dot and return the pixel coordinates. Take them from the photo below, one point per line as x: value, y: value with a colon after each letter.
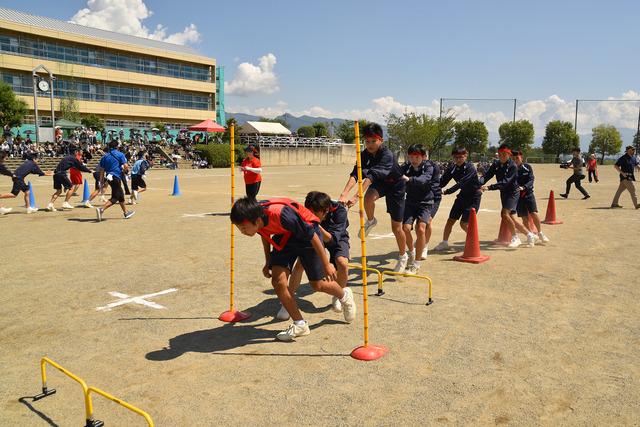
x: 88, y: 204
x: 66, y: 205
x: 5, y: 210
x: 336, y: 305
x: 401, y: 265
x: 368, y: 226
x: 413, y: 270
x: 50, y: 208
x: 32, y: 209
x: 441, y: 246
x: 543, y: 238
x: 515, y: 242
x: 531, y: 241
x: 411, y: 257
x: 349, y: 306
x: 283, y: 314
x: 135, y: 194
x: 130, y: 202
x: 293, y: 331
x: 425, y: 252
x: 102, y: 199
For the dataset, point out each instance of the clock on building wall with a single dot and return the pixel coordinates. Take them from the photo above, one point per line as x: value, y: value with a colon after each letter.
x: 43, y: 85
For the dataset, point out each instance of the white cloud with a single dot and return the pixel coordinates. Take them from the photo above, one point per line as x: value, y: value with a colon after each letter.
x: 126, y: 16
x: 251, y: 79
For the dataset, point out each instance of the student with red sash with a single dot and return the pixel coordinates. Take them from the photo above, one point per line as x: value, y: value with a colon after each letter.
x: 290, y: 231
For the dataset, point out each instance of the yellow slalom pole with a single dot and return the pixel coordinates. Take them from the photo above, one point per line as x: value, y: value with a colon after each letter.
x: 364, y: 352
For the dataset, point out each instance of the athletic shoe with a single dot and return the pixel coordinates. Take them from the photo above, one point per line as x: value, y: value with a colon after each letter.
x: 615, y: 205
x: 368, y: 226
x: 336, y: 305
x: 425, y: 252
x: 99, y: 212
x: 411, y: 257
x: 349, y: 306
x: 87, y: 204
x: 564, y: 196
x: 129, y: 214
x: 401, y: 265
x: 66, y: 205
x: 543, y: 238
x: 50, y: 208
x: 31, y: 209
x: 413, y: 270
x: 135, y: 194
x: 515, y: 242
x: 531, y: 241
x: 293, y: 331
x: 283, y: 314
x: 586, y: 197
x: 441, y: 246
x: 130, y: 202
x: 102, y: 199
x: 5, y: 210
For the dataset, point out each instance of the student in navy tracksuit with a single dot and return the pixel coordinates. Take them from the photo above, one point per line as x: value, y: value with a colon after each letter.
x: 60, y: 178
x: 293, y: 232
x: 418, y: 203
x: 381, y: 177
x: 506, y: 173
x: 527, y: 205
x: 437, y: 198
x: 466, y: 178
x: 28, y: 167
x: 333, y: 226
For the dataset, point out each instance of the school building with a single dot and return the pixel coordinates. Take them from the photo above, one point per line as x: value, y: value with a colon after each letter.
x: 128, y: 81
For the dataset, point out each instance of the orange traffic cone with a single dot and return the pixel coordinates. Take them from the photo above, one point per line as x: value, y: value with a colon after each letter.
x: 532, y: 225
x: 504, y: 235
x: 551, y: 211
x: 472, y: 245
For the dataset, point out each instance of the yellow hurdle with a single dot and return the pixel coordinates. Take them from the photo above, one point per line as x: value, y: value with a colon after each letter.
x: 120, y: 402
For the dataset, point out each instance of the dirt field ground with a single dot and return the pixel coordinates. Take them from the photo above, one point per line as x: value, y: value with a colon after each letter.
x: 540, y: 336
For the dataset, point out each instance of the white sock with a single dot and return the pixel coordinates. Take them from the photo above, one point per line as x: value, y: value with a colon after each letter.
x: 530, y: 235
x: 344, y: 298
x: 446, y: 242
x: 300, y: 322
x: 413, y: 252
x: 416, y: 263
x: 403, y: 256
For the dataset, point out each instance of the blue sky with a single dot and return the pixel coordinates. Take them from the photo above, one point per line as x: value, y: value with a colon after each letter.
x: 365, y: 59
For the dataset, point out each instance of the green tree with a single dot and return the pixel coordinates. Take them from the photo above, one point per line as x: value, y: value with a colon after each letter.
x: 92, y: 120
x: 473, y: 135
x: 226, y: 136
x: 69, y: 109
x: 321, y: 129
x: 518, y: 134
x: 306, y: 132
x: 559, y: 138
x: 605, y: 140
x: 413, y: 128
x: 346, y: 130
x: 12, y: 109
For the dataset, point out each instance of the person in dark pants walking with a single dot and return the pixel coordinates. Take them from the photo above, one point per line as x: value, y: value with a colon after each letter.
x: 577, y: 176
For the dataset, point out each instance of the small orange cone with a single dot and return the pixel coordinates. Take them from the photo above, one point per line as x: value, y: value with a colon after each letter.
x: 532, y: 225
x: 504, y: 235
x: 472, y: 244
x: 551, y: 211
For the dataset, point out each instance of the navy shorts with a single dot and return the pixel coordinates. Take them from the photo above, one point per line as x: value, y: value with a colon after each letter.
x: 420, y: 211
x: 393, y: 192
x: 436, y: 206
x: 341, y: 249
x: 509, y: 199
x: 60, y: 181
x: 18, y: 186
x: 294, y: 249
x: 137, y: 182
x: 526, y: 204
x: 461, y: 208
x: 96, y: 176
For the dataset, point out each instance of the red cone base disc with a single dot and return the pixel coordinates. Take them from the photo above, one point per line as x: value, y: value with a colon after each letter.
x: 372, y: 352
x: 551, y: 222
x: 472, y: 259
x: 234, y: 316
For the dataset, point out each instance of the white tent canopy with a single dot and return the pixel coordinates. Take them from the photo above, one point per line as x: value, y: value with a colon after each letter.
x: 263, y: 128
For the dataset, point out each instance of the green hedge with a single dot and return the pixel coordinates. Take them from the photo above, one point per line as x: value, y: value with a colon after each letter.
x: 219, y: 155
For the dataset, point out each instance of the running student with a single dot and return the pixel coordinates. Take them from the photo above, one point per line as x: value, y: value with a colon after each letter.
x: 418, y: 204
x: 382, y: 177
x: 252, y: 168
x: 28, y: 167
x: 138, y: 174
x: 527, y: 202
x: 469, y: 197
x: 7, y: 172
x: 576, y: 176
x: 333, y: 226
x: 99, y: 187
x: 75, y: 175
x: 293, y: 232
x: 60, y: 178
x: 112, y: 166
x: 506, y: 173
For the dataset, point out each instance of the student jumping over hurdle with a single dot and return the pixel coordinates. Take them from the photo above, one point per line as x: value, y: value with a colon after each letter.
x: 381, y: 177
x: 293, y: 232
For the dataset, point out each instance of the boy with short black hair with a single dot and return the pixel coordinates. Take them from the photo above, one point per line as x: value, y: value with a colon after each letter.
x: 381, y: 177
x: 28, y: 167
x: 469, y: 197
x: 60, y: 178
x: 418, y: 202
x: 293, y: 232
x: 506, y: 173
x: 333, y: 226
x: 576, y: 176
x: 113, y: 166
x: 527, y: 202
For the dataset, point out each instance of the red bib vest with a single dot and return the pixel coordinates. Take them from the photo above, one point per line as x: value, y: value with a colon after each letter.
x: 273, y: 209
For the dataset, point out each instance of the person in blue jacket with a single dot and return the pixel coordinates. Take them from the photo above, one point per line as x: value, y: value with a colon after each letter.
x: 112, y: 166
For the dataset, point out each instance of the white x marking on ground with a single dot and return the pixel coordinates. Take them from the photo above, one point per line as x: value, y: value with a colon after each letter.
x: 125, y: 299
